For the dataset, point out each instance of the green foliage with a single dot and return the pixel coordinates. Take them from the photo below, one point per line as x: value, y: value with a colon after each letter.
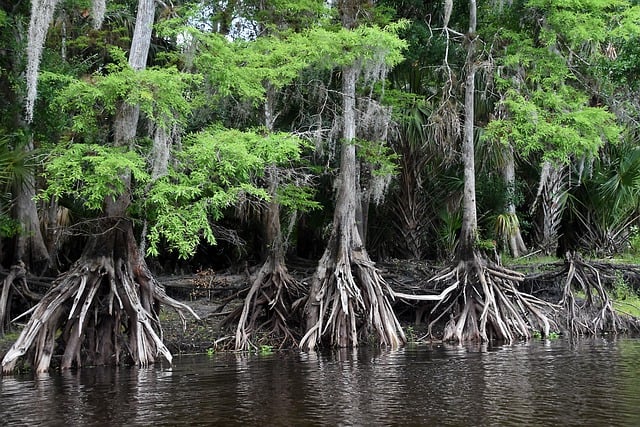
x: 622, y: 73
x: 241, y: 67
x: 578, y: 21
x: 15, y: 162
x: 8, y: 226
x: 265, y: 350
x: 383, y: 160
x: 552, y: 335
x: 555, y: 122
x: 620, y: 187
x: 409, y: 109
x: 485, y: 244
x: 164, y: 95
x: 625, y: 299
x: 547, y: 111
x: 89, y: 173
x: 451, y: 223
x: 214, y: 168
x: 297, y: 197
x: 558, y: 64
x: 506, y: 225
x: 634, y: 241
x: 606, y: 201
x: 588, y: 21
x: 410, y: 333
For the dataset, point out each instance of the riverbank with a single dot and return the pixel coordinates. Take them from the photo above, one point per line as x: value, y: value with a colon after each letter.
x: 213, y: 295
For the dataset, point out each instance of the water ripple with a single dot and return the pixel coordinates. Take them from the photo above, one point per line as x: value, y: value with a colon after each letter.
x: 594, y: 382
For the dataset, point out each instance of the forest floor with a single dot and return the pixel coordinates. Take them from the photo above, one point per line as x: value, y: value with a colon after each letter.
x: 213, y: 295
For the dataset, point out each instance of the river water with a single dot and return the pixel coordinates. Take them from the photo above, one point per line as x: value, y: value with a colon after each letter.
x: 594, y: 382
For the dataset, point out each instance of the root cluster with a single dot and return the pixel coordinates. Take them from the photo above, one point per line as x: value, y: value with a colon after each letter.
x: 95, y: 312
x: 483, y: 302
x: 585, y: 298
x: 273, y: 299
x: 14, y: 285
x: 349, y: 301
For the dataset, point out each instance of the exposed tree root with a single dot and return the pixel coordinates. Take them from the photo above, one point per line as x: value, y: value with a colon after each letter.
x: 106, y: 304
x: 593, y: 311
x: 272, y: 300
x: 483, y: 303
x: 349, y: 300
x: 14, y: 284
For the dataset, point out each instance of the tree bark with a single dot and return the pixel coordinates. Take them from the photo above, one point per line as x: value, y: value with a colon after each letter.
x: 469, y: 230
x: 348, y: 296
x: 338, y: 297
x: 30, y: 246
x: 482, y: 298
x: 549, y: 206
x: 274, y: 291
x: 516, y: 244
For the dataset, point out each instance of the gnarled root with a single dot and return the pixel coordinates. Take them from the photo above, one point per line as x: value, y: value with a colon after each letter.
x: 272, y: 300
x: 347, y: 306
x: 483, y: 303
x: 14, y: 284
x: 595, y: 313
x: 102, y: 306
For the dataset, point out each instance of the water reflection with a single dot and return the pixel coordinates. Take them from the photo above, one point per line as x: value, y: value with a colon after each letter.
x: 596, y: 382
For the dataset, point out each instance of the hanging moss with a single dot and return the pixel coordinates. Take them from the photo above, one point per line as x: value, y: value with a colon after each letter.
x: 41, y: 16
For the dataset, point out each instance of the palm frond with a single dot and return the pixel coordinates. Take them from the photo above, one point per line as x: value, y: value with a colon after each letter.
x: 16, y: 164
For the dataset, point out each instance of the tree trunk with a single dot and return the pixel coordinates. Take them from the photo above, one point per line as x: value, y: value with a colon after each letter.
x: 549, y: 206
x: 481, y: 298
x: 30, y: 246
x: 469, y: 230
x: 108, y: 301
x: 514, y: 237
x: 15, y: 278
x: 343, y: 305
x: 41, y: 16
x: 126, y: 122
x: 274, y: 292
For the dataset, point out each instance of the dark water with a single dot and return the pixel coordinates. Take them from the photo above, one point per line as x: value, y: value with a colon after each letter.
x: 596, y: 382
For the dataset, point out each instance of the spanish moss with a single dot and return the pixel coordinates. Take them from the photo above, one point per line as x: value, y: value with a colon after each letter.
x: 98, y: 9
x: 41, y: 16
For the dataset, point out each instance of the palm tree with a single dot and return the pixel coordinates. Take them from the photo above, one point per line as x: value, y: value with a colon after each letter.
x: 604, y: 206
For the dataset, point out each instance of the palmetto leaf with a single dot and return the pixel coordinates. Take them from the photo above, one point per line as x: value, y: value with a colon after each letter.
x: 623, y: 185
x: 15, y: 164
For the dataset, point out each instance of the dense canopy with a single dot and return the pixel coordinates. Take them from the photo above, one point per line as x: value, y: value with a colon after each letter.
x: 345, y: 133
